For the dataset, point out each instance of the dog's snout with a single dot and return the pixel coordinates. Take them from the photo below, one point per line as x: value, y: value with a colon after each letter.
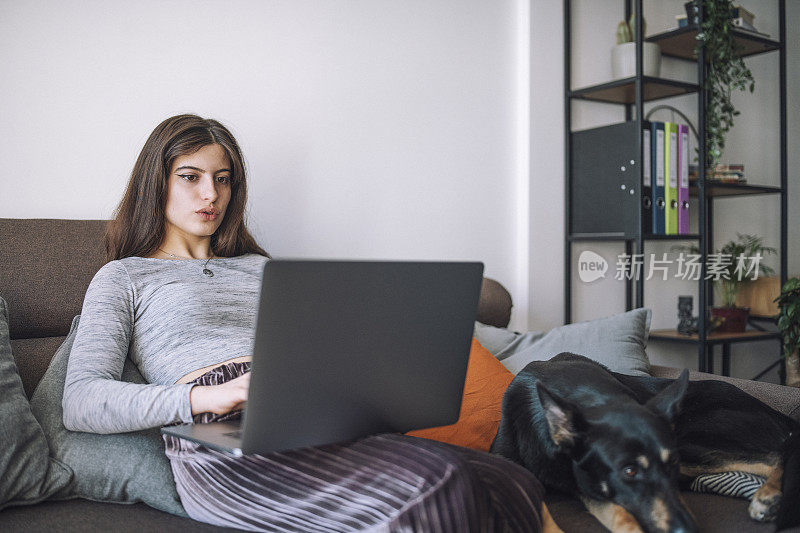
x: 683, y: 521
x: 669, y: 514
x: 691, y: 527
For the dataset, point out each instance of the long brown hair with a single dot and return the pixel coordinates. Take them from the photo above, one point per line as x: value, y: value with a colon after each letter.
x: 139, y: 224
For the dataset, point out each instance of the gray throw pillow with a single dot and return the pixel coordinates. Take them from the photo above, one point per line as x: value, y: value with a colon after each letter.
x: 617, y: 342
x: 120, y: 468
x: 27, y: 473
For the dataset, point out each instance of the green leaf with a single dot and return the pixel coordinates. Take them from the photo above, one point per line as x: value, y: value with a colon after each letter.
x: 726, y: 72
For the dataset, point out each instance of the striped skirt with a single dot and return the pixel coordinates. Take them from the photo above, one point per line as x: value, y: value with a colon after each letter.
x: 387, y: 482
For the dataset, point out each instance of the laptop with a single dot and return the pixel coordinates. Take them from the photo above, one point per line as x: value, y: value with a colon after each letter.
x: 347, y: 349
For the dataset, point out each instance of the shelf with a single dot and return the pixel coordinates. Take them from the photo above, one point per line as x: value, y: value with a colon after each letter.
x: 600, y: 237
x: 680, y: 43
x: 604, y: 200
x: 686, y: 237
x: 624, y: 91
x: 715, y: 338
x: 676, y: 43
x: 734, y: 189
x: 577, y: 237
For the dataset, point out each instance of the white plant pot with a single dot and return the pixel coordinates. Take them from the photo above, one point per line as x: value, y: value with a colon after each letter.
x: 623, y: 60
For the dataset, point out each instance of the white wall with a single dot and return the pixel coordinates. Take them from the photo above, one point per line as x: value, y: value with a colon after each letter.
x: 546, y: 265
x: 372, y: 128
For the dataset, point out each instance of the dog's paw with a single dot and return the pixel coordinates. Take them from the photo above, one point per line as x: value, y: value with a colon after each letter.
x: 764, y: 506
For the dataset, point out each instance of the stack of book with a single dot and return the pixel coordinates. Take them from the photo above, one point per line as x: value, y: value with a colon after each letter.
x: 744, y: 20
x: 722, y: 173
x: 740, y: 17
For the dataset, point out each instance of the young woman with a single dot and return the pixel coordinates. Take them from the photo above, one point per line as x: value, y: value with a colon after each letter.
x: 179, y: 297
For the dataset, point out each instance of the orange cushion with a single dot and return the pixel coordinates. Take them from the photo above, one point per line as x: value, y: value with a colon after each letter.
x: 485, y: 384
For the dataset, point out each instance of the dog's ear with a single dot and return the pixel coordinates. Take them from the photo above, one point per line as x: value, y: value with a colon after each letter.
x: 667, y: 403
x: 562, y: 419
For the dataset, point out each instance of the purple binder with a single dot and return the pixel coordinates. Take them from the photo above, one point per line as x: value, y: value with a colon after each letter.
x: 683, y: 179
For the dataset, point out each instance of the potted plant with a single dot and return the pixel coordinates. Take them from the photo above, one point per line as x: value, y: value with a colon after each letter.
x: 731, y: 267
x: 726, y: 72
x: 789, y: 326
x: 623, y: 55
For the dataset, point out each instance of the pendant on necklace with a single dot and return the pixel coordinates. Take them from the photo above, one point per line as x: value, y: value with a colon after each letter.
x: 208, y: 273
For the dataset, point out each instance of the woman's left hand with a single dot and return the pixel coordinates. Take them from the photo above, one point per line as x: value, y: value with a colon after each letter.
x: 220, y: 399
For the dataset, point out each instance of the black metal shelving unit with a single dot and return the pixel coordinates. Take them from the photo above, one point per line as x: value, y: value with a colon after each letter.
x: 612, y: 152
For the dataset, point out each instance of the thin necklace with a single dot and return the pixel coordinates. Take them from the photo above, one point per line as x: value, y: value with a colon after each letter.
x: 206, y: 270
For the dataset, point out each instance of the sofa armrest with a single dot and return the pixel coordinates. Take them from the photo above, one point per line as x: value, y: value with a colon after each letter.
x: 779, y: 397
x: 494, y: 307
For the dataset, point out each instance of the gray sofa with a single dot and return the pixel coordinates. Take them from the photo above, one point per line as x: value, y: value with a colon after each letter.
x: 45, y: 268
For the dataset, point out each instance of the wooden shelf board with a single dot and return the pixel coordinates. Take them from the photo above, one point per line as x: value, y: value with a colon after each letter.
x: 715, y: 338
x: 624, y: 91
x: 769, y: 318
x: 622, y: 237
x: 600, y: 237
x: 680, y: 43
x: 734, y: 189
x: 685, y: 237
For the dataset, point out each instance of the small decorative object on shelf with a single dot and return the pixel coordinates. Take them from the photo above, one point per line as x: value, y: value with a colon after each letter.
x: 692, y: 13
x: 789, y: 326
x: 623, y: 55
x: 687, y: 324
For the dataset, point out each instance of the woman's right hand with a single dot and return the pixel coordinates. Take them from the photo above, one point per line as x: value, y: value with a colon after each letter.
x: 220, y: 399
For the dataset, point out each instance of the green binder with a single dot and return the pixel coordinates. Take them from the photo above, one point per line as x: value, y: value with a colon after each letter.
x: 671, y: 175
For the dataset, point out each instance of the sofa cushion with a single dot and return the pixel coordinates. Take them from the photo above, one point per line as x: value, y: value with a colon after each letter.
x: 27, y: 473
x: 617, y: 342
x: 33, y: 356
x: 83, y: 516
x: 779, y: 397
x: 486, y: 382
x: 714, y: 514
x: 124, y: 467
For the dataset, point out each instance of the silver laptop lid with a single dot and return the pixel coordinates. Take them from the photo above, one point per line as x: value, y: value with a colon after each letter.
x: 346, y: 349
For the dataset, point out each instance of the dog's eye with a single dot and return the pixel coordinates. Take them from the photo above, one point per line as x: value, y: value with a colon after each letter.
x: 630, y: 471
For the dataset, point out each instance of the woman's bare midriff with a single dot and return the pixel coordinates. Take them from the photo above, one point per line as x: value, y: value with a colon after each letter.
x: 200, y: 371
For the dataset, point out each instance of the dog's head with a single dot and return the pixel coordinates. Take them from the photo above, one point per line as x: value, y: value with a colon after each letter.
x: 625, y: 453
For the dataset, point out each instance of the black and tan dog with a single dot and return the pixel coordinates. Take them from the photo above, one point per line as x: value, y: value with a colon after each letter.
x: 620, y: 443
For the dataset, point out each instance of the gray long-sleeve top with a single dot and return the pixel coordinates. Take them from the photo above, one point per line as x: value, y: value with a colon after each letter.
x: 170, y: 319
